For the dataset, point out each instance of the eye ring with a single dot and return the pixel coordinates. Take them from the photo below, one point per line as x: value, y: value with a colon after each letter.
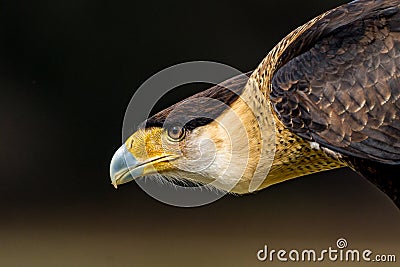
x: 176, y: 133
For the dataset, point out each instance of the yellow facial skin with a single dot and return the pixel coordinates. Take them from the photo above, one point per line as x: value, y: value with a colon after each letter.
x: 153, y: 148
x: 146, y: 152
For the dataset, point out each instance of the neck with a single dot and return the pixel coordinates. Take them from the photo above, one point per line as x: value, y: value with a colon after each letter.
x: 274, y: 150
x: 294, y: 157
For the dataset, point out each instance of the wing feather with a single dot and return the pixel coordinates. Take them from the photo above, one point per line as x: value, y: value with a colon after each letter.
x: 339, y: 82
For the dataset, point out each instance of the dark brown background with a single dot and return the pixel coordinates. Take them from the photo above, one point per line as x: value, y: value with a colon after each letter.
x: 67, y: 72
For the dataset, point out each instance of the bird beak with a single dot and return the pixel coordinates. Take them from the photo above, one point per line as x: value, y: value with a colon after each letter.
x: 124, y: 167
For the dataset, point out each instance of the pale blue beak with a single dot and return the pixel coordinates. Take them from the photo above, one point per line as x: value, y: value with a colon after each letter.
x: 124, y: 167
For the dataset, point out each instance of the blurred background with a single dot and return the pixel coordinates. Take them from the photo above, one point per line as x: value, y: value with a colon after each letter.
x: 67, y: 72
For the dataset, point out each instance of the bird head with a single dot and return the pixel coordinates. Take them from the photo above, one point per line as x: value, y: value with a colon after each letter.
x: 214, y: 138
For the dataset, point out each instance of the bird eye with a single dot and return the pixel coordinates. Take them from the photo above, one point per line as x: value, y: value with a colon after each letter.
x: 176, y: 133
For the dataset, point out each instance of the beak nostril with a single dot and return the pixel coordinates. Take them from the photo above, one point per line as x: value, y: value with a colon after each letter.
x: 131, y: 141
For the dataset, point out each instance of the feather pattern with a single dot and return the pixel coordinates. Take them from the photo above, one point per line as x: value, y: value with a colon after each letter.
x: 339, y: 82
x: 335, y: 81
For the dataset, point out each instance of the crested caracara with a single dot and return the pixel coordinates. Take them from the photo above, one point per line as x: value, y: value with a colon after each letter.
x: 327, y: 96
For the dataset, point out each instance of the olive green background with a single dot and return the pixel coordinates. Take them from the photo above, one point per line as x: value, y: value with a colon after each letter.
x: 67, y: 72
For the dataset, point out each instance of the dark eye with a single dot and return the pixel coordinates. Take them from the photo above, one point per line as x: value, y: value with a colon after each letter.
x: 176, y: 133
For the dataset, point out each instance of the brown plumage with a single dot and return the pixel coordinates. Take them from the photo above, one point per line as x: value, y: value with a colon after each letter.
x: 337, y: 83
x: 226, y: 93
x: 344, y: 91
